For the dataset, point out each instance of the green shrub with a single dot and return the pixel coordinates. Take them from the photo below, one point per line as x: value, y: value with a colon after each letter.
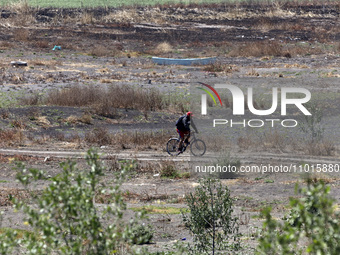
x: 169, y: 170
x: 210, y: 219
x: 140, y: 234
x: 65, y: 219
x: 312, y: 227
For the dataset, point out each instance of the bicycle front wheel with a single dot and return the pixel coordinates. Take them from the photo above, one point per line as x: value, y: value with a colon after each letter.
x: 198, y: 148
x: 172, y: 146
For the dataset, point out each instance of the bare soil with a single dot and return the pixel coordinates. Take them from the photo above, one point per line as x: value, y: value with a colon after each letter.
x: 255, y: 45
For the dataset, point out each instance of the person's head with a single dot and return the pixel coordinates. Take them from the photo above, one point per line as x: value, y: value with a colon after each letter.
x: 189, y: 114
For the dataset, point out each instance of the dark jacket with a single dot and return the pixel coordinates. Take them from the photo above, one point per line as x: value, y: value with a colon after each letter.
x: 183, y: 123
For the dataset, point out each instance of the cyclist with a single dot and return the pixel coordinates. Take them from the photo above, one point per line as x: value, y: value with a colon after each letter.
x: 183, y: 129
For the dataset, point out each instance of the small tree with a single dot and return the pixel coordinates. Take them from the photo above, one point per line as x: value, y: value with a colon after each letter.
x: 312, y: 224
x: 210, y: 219
x: 65, y: 218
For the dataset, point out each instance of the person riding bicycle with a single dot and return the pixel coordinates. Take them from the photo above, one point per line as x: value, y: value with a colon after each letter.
x: 183, y: 129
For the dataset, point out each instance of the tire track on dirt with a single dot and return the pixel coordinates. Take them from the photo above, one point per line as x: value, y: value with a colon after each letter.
x: 245, y: 158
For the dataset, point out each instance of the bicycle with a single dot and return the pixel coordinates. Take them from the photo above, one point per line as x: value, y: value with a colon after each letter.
x: 197, y: 146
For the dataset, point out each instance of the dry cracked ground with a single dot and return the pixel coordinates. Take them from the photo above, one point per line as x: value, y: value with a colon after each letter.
x: 103, y: 90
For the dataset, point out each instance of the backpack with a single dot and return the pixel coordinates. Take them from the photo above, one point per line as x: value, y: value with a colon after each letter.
x: 179, y: 123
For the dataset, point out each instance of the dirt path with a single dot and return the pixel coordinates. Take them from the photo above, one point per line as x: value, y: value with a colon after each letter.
x: 245, y: 158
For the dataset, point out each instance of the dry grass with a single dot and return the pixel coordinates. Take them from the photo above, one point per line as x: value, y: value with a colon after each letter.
x: 266, y: 24
x: 106, y: 101
x: 87, y: 18
x: 303, y: 50
x: 43, y: 121
x: 11, y: 137
x: 321, y: 148
x: 24, y: 14
x: 85, y: 118
x: 4, y: 45
x: 122, y: 16
x: 99, y: 136
x: 21, y: 35
x: 126, y: 97
x: 47, y: 63
x: 276, y: 141
x: 216, y: 142
x: 246, y: 142
x: 4, y: 114
x: 163, y: 48
x: 18, y: 124
x: 41, y: 44
x: 319, y: 177
x: 161, y: 14
x: 274, y: 49
x: 73, y: 96
x: 99, y: 51
x: 337, y: 47
x: 21, y: 6
x: 102, y: 109
x: 105, y: 51
x: 72, y: 119
x: 220, y: 68
x: 253, y: 72
x: 268, y: 141
x: 33, y: 99
x: 258, y: 49
x: 127, y: 140
x: 148, y: 140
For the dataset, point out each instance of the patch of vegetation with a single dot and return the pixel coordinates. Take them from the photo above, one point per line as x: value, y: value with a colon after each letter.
x: 106, y: 101
x: 66, y: 218
x: 101, y: 136
x: 100, y: 3
x: 169, y: 170
x: 10, y: 98
x: 11, y: 137
x: 119, y: 3
x: 211, y: 219
x: 244, y: 198
x: 17, y: 233
x: 225, y: 159
x: 152, y: 209
x: 313, y: 129
x: 312, y: 221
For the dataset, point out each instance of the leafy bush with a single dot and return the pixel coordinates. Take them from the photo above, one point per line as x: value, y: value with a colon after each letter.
x: 169, y: 170
x: 140, y: 234
x: 312, y: 224
x: 65, y: 219
x: 210, y: 219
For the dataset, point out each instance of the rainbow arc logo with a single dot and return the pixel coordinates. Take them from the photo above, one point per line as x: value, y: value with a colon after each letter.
x: 204, y: 96
x: 209, y: 93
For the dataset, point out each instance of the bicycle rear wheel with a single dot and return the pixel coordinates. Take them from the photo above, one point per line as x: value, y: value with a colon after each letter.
x: 198, y: 148
x: 172, y: 146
